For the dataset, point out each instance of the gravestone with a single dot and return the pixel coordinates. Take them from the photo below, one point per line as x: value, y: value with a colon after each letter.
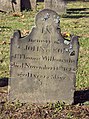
x: 5, y: 5
x: 57, y: 5
x: 9, y: 5
x: 43, y: 64
x: 33, y: 4
x: 17, y: 5
x: 28, y: 4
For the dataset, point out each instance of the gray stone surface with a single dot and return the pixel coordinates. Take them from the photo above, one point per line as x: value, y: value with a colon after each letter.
x: 33, y: 4
x: 5, y: 5
x: 57, y: 5
x: 43, y: 64
x: 17, y: 5
x: 8, y: 6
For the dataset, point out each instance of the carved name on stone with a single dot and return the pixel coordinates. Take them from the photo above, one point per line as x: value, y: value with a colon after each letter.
x: 43, y: 64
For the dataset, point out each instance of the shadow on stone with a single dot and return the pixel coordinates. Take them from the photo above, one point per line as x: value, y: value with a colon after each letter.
x: 77, y: 9
x: 3, y: 82
x: 75, y: 16
x: 81, y: 96
x: 76, y: 13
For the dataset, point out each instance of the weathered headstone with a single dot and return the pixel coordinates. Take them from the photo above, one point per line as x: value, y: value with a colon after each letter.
x: 57, y: 5
x: 5, y: 5
x: 33, y: 4
x: 28, y: 4
x: 17, y: 5
x: 10, y: 5
x: 43, y: 64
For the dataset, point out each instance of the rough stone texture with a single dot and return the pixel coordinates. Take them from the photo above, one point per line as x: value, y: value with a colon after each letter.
x: 57, y: 5
x: 43, y: 64
x: 33, y: 4
x: 8, y: 6
x: 17, y: 5
x: 5, y: 5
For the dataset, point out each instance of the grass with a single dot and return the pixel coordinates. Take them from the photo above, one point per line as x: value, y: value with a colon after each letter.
x: 24, y: 22
x: 77, y: 24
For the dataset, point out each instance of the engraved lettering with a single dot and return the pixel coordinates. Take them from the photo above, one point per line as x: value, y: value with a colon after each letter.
x: 45, y: 67
x: 52, y: 58
x: 32, y: 75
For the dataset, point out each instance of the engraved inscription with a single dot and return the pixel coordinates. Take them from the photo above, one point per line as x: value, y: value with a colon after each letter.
x: 44, y: 58
x: 31, y: 75
x: 43, y: 64
x: 45, y: 67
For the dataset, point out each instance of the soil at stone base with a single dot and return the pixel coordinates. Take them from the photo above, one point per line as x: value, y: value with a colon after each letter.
x: 48, y: 111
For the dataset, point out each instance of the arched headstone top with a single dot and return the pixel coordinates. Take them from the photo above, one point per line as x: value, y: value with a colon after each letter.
x: 43, y: 63
x: 48, y: 17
